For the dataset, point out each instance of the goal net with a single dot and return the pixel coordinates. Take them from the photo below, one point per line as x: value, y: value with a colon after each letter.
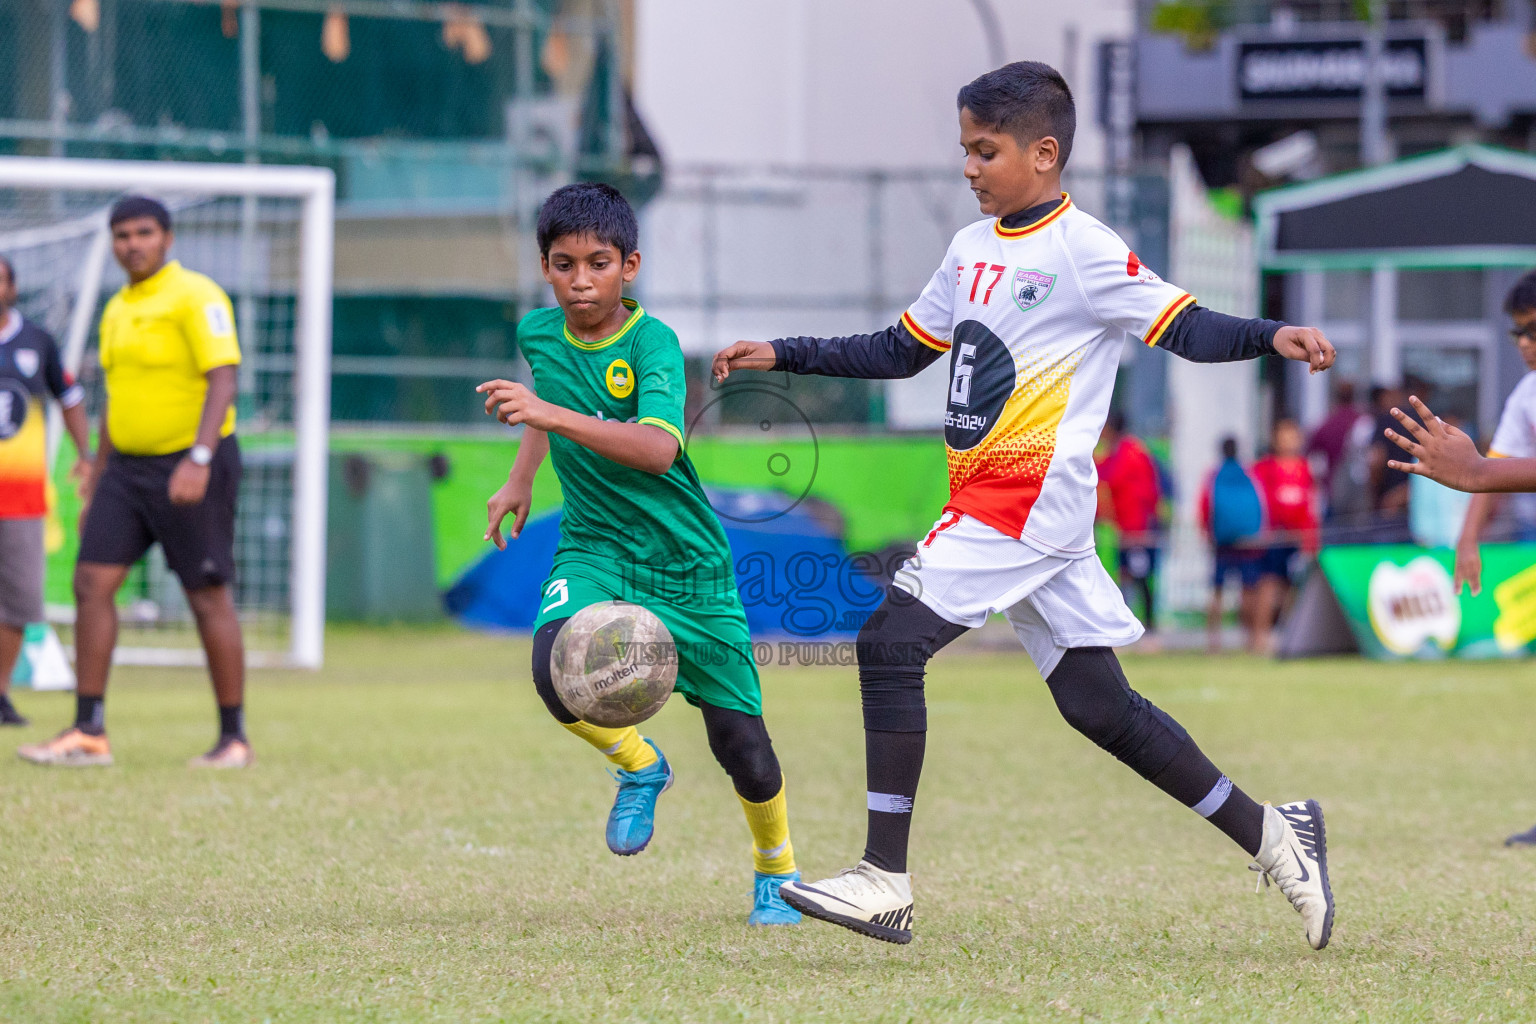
x: 265, y: 235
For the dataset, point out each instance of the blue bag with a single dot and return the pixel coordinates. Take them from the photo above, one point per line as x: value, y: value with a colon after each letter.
x: 1236, y: 513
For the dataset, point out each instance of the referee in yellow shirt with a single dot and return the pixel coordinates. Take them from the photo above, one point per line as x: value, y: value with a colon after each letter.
x: 167, y: 472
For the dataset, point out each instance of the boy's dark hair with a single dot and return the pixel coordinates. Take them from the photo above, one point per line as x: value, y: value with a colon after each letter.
x: 1229, y: 447
x: 589, y: 208
x: 1522, y: 297
x: 134, y: 207
x: 10, y: 270
x: 1028, y: 100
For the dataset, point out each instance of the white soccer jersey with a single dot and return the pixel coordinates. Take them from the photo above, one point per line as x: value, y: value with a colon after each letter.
x: 1034, y: 319
x: 1515, y: 437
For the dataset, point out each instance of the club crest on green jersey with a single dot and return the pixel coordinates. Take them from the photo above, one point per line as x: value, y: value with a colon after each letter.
x: 1030, y: 287
x: 620, y: 379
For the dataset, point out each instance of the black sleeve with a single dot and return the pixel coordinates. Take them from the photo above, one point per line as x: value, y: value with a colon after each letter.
x: 56, y: 377
x: 1204, y: 336
x: 892, y: 353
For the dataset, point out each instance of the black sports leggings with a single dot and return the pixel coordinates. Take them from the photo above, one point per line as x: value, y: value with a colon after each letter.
x: 738, y: 740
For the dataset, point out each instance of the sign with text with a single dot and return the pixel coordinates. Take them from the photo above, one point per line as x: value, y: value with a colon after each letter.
x: 1400, y: 602
x: 1310, y: 69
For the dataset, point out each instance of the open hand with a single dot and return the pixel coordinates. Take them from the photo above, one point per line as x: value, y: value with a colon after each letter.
x: 1445, y: 453
x: 512, y: 498
x: 744, y: 355
x: 1305, y: 345
x: 514, y: 403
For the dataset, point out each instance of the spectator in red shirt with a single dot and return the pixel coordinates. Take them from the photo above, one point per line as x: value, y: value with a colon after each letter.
x: 1129, y: 494
x: 1285, y: 483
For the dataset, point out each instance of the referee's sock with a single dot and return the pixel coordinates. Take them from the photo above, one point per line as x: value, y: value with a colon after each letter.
x: 232, y: 722
x: 91, y: 715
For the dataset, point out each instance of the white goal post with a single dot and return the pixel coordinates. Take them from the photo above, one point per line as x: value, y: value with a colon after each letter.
x: 59, y: 206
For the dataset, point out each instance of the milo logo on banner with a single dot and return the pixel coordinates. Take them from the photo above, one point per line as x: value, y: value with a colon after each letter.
x: 1398, y: 601
x: 1413, y: 605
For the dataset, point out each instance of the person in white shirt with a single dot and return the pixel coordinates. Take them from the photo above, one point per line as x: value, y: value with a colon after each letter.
x: 1514, y: 438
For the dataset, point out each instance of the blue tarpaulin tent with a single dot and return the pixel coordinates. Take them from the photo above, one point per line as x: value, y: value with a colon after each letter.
x: 795, y: 577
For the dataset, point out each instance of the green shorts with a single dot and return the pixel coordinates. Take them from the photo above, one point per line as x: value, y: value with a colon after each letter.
x: 714, y: 649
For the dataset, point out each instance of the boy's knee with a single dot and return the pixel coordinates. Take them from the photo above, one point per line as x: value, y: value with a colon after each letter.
x: 741, y: 745
x: 894, y: 648
x: 753, y: 768
x: 1094, y: 697
x: 543, y: 674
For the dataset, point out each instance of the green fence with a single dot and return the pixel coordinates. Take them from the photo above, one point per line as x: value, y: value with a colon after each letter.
x: 887, y: 489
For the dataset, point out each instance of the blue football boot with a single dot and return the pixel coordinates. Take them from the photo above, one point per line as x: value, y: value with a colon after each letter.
x: 768, y: 907
x: 632, y: 821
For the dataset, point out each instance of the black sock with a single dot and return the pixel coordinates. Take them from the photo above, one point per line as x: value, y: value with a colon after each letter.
x: 232, y: 722
x: 5, y: 702
x: 1195, y: 782
x: 893, y: 764
x: 1094, y: 697
x: 91, y: 714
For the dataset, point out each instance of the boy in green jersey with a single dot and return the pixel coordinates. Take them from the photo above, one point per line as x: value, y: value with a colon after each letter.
x: 636, y: 525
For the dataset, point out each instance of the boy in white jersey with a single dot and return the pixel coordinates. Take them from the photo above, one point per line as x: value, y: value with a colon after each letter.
x: 1515, y: 437
x: 1033, y: 305
x: 1449, y: 456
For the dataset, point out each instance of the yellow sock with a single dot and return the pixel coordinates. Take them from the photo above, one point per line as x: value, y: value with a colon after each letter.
x: 772, y: 852
x: 624, y: 747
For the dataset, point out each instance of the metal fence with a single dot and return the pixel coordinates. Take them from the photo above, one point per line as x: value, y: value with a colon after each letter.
x: 405, y: 99
x: 763, y: 252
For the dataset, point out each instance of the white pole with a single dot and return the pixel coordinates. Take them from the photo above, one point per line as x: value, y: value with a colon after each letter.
x: 1386, y: 357
x: 149, y: 175
x: 79, y: 328
x: 312, y: 417
x: 1375, y: 142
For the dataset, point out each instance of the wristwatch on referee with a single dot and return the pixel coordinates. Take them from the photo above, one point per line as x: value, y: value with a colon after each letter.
x: 201, y: 455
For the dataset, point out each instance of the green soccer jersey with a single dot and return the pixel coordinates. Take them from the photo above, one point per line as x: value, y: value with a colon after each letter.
x: 658, y: 530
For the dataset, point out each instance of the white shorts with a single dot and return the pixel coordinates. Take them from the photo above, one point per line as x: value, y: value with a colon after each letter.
x: 964, y: 571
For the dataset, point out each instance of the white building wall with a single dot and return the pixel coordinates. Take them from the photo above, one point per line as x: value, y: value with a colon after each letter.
x: 847, y: 83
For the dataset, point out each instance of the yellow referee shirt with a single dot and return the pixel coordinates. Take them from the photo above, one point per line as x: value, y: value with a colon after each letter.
x: 159, y: 339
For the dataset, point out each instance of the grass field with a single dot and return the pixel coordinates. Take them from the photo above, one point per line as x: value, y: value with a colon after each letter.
x: 420, y: 842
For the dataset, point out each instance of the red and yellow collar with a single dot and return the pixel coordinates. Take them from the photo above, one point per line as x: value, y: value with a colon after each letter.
x: 1029, y: 229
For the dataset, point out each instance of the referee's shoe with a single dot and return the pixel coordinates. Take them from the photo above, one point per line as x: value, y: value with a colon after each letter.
x: 229, y: 752
x: 72, y: 748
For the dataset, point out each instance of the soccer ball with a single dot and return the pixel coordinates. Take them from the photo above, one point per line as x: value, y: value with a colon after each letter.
x: 614, y: 664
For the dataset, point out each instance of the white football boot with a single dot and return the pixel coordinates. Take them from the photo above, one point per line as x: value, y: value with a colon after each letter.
x: 1294, y: 854
x: 862, y: 898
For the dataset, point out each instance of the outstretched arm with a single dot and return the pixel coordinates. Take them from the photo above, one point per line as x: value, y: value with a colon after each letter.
x: 636, y: 445
x: 892, y: 353
x: 1447, y: 455
x: 1205, y: 336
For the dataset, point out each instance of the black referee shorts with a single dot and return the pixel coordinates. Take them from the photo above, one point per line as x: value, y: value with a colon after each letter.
x: 131, y: 510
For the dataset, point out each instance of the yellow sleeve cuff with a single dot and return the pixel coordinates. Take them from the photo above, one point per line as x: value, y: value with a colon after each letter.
x: 1160, y: 325
x: 926, y: 337
x: 653, y: 421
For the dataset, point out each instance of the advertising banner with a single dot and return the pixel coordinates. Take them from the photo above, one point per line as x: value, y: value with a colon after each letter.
x: 1399, y: 602
x: 1304, y: 69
